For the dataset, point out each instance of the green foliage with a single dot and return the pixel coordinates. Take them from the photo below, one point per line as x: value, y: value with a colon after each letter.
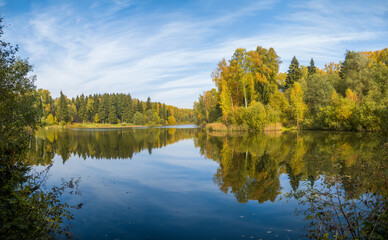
x: 248, y: 76
x: 151, y: 117
x: 207, y: 108
x: 357, y: 74
x: 110, y: 108
x: 255, y: 117
x: 63, y: 112
x: 273, y: 115
x: 320, y: 100
x: 138, y: 118
x: 312, y: 69
x: 294, y: 73
x: 318, y: 92
x: 27, y: 210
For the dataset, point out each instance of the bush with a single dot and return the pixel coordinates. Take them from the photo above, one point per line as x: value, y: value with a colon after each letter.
x: 255, y: 117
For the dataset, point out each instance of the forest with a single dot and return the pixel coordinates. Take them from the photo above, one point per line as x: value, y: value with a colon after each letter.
x: 109, y: 109
x: 251, y: 92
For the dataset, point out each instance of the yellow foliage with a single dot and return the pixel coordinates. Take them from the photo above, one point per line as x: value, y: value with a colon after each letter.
x: 299, y: 108
x: 334, y: 98
x: 332, y: 67
x: 351, y: 95
x: 378, y: 57
x: 171, y: 120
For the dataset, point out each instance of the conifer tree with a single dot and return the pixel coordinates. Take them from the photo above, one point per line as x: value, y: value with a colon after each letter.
x: 294, y: 73
x: 312, y: 69
x: 112, y: 116
x: 63, y: 113
x: 149, y: 105
x: 82, y: 108
x: 139, y: 106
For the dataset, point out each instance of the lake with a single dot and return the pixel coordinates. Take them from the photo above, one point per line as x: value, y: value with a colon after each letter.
x: 185, y: 183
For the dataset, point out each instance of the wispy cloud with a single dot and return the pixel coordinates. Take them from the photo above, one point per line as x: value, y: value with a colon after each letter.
x: 123, y: 46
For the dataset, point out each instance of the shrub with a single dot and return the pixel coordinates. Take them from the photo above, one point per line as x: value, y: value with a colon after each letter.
x: 255, y: 117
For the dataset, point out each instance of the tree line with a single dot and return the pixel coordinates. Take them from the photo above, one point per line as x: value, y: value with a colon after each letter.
x: 109, y: 109
x: 101, y: 144
x: 250, y: 91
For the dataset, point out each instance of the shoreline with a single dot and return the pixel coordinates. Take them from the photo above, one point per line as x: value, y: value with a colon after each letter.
x: 103, y: 125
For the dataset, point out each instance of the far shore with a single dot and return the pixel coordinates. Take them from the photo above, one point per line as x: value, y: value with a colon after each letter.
x: 103, y: 125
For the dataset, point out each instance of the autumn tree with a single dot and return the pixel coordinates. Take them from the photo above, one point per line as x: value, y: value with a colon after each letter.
x: 89, y: 109
x: 298, y: 106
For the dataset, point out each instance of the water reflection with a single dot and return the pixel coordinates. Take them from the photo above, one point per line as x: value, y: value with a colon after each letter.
x: 102, y: 143
x: 250, y: 166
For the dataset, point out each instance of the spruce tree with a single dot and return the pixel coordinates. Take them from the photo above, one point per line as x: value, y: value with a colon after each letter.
x: 312, y: 69
x: 63, y: 113
x: 294, y: 73
x: 139, y: 106
x: 149, y: 105
x: 112, y: 115
x: 82, y: 108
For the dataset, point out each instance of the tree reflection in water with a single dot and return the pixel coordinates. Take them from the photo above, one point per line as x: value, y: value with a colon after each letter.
x: 250, y: 166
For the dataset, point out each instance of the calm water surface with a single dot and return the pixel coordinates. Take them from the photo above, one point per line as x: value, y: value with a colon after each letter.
x: 184, y: 183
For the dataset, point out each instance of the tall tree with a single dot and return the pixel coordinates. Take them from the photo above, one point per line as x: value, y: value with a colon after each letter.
x: 294, y: 73
x: 112, y: 116
x: 149, y: 105
x: 90, y: 109
x: 299, y: 108
x: 312, y: 69
x: 63, y: 112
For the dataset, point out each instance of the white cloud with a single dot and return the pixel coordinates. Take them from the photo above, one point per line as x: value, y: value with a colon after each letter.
x: 170, y: 55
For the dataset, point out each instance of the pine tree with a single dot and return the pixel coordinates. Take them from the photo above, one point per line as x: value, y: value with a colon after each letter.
x: 294, y: 73
x: 312, y: 69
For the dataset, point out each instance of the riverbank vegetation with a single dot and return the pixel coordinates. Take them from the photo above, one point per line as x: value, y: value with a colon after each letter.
x: 250, y: 92
x: 111, y: 110
x: 28, y: 208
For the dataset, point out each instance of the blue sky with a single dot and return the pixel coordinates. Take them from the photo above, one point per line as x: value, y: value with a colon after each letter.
x: 168, y: 49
